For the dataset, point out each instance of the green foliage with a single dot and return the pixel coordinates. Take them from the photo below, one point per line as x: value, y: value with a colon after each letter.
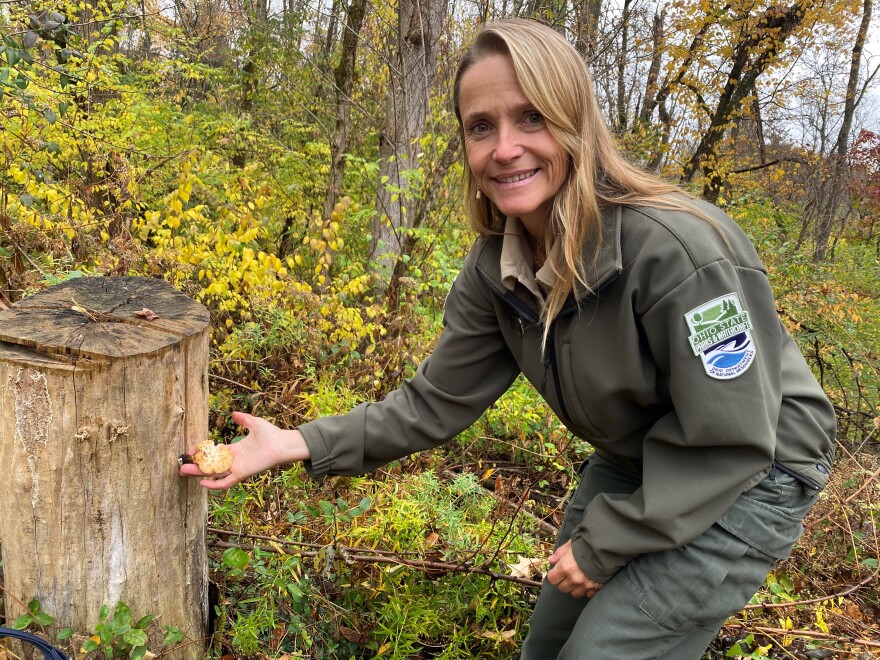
x: 35, y: 616
x: 114, y: 164
x: 330, y: 602
x: 118, y: 636
x: 830, y: 309
x: 115, y: 636
x: 743, y: 649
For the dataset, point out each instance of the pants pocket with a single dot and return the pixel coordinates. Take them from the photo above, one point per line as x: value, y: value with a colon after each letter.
x: 769, y: 517
x: 712, y: 576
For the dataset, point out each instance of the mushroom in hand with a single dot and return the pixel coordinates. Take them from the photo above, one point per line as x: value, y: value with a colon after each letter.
x: 211, y: 458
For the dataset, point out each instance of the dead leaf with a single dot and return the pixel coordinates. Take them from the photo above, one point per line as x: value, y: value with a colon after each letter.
x: 277, y: 635
x: 432, y: 538
x: 500, y: 636
x: 351, y: 635
x: 147, y: 314
x: 526, y: 567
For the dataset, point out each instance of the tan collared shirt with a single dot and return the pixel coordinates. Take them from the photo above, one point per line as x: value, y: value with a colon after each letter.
x: 517, y: 262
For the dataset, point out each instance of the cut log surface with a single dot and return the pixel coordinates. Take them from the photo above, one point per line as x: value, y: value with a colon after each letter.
x: 103, y: 384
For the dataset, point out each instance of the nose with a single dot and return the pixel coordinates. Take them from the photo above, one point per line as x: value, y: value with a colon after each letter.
x: 508, y: 147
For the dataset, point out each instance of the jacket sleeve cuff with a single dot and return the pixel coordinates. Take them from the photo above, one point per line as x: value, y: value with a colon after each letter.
x: 319, y: 463
x: 589, y: 563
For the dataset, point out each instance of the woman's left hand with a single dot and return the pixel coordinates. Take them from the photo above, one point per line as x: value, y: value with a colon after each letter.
x: 568, y: 576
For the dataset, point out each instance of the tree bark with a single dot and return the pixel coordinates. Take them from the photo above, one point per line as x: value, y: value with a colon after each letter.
x: 588, y: 13
x: 750, y: 59
x: 413, y: 69
x: 839, y: 165
x: 344, y: 77
x: 620, y: 115
x: 98, y: 404
x: 654, y: 68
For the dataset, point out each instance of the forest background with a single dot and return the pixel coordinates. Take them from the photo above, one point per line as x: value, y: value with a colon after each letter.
x: 295, y: 167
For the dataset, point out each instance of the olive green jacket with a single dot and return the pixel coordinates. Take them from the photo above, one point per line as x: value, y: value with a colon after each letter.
x: 674, y: 366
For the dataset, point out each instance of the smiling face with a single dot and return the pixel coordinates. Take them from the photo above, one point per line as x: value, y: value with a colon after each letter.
x: 516, y: 161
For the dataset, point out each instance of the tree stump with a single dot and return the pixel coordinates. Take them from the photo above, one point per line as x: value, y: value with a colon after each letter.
x: 99, y: 398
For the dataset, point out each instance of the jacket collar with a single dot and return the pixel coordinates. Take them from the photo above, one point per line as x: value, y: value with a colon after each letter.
x: 607, y: 265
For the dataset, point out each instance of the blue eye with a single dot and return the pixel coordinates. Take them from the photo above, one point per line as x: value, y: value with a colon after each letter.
x: 478, y: 128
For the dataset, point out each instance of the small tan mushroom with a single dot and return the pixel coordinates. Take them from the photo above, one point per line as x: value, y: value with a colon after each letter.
x: 211, y: 458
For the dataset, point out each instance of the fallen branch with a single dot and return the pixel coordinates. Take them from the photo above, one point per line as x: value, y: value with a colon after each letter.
x: 806, y: 633
x: 389, y: 557
x: 431, y: 567
x: 302, y: 544
x: 846, y: 592
x: 232, y: 382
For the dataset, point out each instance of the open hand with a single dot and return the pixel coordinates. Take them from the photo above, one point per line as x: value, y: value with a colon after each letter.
x: 264, y: 447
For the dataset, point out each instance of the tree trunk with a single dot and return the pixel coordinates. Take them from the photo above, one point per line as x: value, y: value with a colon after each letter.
x: 759, y: 131
x: 841, y: 147
x: 750, y: 59
x: 654, y: 69
x: 258, y: 17
x: 98, y: 404
x: 412, y: 73
x: 344, y: 76
x: 620, y: 118
x: 432, y: 190
x: 588, y: 13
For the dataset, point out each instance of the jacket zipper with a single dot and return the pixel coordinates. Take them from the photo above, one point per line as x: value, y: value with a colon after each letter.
x: 550, y: 362
x: 522, y: 310
x: 525, y: 313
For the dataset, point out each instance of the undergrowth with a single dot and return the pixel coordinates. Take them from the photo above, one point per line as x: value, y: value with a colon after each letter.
x: 417, y: 560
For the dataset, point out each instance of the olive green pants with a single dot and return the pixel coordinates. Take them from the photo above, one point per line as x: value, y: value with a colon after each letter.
x: 668, y: 604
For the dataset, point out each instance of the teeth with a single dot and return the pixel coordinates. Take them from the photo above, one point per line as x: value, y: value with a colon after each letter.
x: 518, y: 177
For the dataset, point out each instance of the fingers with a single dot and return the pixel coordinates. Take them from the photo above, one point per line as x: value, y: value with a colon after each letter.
x: 575, y: 588
x: 568, y: 577
x: 242, y: 419
x: 578, y: 591
x: 190, y: 470
x: 225, y: 482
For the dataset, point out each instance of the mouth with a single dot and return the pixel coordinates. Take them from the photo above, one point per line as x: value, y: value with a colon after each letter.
x: 515, y: 178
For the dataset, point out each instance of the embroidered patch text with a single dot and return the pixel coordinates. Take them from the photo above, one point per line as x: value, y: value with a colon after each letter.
x: 721, y: 336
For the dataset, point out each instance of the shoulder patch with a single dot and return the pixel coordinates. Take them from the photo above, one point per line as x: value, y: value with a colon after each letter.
x: 721, y: 336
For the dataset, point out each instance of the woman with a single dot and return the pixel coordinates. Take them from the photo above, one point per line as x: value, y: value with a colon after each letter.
x: 646, y: 321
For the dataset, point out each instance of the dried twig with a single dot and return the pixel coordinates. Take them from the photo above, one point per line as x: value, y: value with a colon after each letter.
x: 840, y: 594
x: 806, y: 633
x: 849, y: 499
x: 353, y: 554
x: 232, y: 382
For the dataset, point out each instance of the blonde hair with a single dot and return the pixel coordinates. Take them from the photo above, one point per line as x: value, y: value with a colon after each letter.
x: 556, y: 80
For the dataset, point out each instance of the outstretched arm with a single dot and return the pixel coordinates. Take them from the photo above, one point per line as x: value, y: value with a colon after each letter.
x: 264, y: 447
